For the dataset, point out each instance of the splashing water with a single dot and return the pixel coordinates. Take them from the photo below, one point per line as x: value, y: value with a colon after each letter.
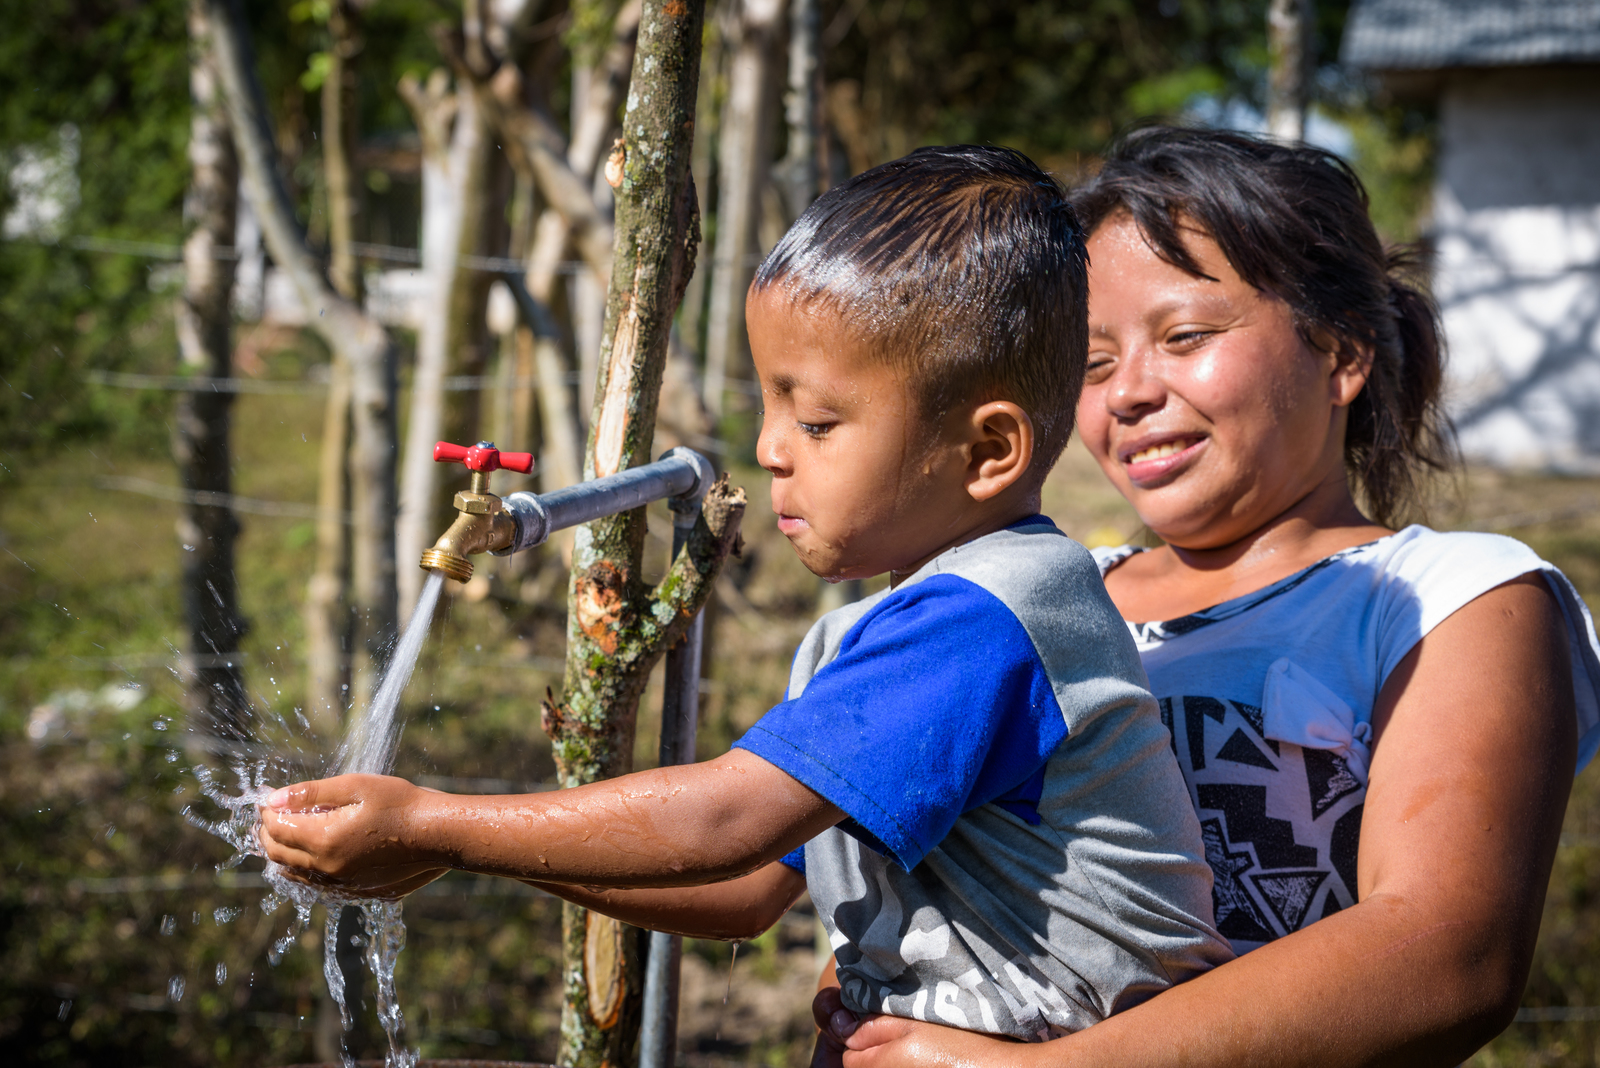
x: 368, y: 748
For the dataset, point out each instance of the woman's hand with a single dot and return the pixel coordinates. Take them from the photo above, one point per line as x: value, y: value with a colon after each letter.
x: 835, y: 1023
x: 355, y: 832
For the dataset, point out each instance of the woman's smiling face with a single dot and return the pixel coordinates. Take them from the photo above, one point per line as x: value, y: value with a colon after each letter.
x: 1203, y: 404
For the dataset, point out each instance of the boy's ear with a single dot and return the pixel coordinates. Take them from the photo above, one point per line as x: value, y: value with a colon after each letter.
x: 1000, y: 450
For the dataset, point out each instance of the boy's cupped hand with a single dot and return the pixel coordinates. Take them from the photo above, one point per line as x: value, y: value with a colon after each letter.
x: 359, y: 833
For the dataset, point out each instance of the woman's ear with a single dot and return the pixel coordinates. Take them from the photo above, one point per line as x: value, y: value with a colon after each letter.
x: 1001, y: 450
x: 1349, y: 366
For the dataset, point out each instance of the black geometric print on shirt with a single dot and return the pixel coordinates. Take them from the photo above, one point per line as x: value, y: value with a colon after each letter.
x: 1241, y: 750
x: 1289, y: 894
x: 1237, y: 916
x: 1252, y: 715
x: 1342, y: 845
x: 1330, y: 905
x: 1245, y: 808
x: 1328, y: 778
x: 1195, y: 711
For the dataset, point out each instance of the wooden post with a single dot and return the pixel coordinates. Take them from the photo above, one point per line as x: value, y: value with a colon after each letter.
x: 1291, y: 64
x: 744, y: 156
x: 327, y: 595
x: 200, y: 432
x: 617, y: 627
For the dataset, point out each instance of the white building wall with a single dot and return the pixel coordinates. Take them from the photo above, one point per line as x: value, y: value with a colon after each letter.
x: 1517, y: 224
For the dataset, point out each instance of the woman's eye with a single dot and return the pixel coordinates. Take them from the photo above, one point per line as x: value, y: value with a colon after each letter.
x: 1188, y: 339
x: 814, y: 430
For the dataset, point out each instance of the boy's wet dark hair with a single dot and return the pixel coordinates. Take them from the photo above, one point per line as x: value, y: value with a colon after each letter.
x: 962, y: 265
x: 1293, y: 221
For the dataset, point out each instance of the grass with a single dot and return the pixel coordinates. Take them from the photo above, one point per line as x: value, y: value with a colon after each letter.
x: 108, y: 895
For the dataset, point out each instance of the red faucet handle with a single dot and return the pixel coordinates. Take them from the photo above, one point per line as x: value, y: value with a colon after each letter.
x: 482, y: 457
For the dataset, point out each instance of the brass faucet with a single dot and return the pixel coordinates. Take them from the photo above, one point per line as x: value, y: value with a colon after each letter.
x: 482, y: 525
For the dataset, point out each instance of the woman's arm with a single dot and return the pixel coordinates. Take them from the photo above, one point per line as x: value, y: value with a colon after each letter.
x: 1469, y: 782
x: 736, y: 910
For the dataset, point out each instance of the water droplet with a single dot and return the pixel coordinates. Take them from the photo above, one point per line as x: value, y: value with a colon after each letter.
x: 111, y: 830
x: 188, y: 548
x: 734, y: 959
x: 172, y: 756
x: 196, y: 920
x: 169, y: 924
x: 159, y: 723
x: 175, y: 989
x: 222, y: 973
x: 66, y: 1007
x: 226, y: 914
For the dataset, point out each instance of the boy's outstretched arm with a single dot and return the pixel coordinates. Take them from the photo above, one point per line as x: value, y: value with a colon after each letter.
x: 736, y: 910
x: 678, y: 826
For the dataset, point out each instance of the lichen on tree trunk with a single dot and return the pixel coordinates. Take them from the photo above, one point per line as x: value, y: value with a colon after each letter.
x: 617, y: 627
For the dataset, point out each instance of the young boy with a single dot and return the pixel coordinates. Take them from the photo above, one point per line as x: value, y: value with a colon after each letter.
x: 995, y: 832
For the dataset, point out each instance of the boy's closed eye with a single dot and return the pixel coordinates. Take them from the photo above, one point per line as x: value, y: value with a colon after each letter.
x: 814, y: 430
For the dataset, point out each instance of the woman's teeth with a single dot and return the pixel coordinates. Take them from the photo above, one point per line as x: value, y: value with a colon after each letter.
x: 1159, y: 452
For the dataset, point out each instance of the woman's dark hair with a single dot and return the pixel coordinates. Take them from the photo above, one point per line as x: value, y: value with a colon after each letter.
x: 1293, y: 221
x: 963, y: 265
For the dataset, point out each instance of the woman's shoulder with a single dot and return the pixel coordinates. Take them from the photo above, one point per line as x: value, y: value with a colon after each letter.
x: 1442, y: 570
x: 1418, y: 547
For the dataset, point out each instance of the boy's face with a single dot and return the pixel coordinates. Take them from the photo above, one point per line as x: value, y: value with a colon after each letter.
x: 860, y: 482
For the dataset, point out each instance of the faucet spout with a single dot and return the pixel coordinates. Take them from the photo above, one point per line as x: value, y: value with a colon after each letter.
x: 482, y: 524
x: 484, y: 528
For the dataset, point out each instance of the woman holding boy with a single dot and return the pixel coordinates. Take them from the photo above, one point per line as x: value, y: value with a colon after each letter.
x: 1379, y: 726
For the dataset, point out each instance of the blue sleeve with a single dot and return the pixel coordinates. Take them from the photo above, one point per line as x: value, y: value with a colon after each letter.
x: 795, y: 859
x: 936, y: 704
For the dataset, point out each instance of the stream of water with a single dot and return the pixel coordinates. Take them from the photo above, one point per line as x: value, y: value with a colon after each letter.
x: 369, y: 747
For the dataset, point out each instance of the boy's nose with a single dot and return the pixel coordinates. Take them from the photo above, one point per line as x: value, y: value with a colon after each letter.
x: 770, y: 453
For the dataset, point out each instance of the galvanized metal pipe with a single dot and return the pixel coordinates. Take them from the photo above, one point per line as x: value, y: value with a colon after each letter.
x: 680, y: 473
x: 680, y: 715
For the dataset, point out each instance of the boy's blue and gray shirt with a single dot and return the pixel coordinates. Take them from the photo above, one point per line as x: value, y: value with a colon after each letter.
x: 1020, y: 855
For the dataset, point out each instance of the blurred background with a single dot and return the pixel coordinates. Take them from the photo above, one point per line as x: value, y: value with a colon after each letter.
x: 183, y: 439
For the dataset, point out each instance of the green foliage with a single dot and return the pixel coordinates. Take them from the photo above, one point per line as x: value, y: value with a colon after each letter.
x: 113, y: 79
x: 1393, y: 152
x: 1054, y: 80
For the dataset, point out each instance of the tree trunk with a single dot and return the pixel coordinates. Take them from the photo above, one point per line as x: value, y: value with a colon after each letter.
x: 327, y: 595
x: 803, y: 108
x: 360, y: 340
x: 340, y: 113
x: 617, y: 627
x: 692, y: 319
x: 455, y: 149
x: 744, y: 156
x: 200, y: 441
x: 1291, y: 65
x: 564, y: 173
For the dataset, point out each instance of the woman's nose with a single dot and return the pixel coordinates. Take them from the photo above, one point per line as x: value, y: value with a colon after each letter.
x: 1136, y: 386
